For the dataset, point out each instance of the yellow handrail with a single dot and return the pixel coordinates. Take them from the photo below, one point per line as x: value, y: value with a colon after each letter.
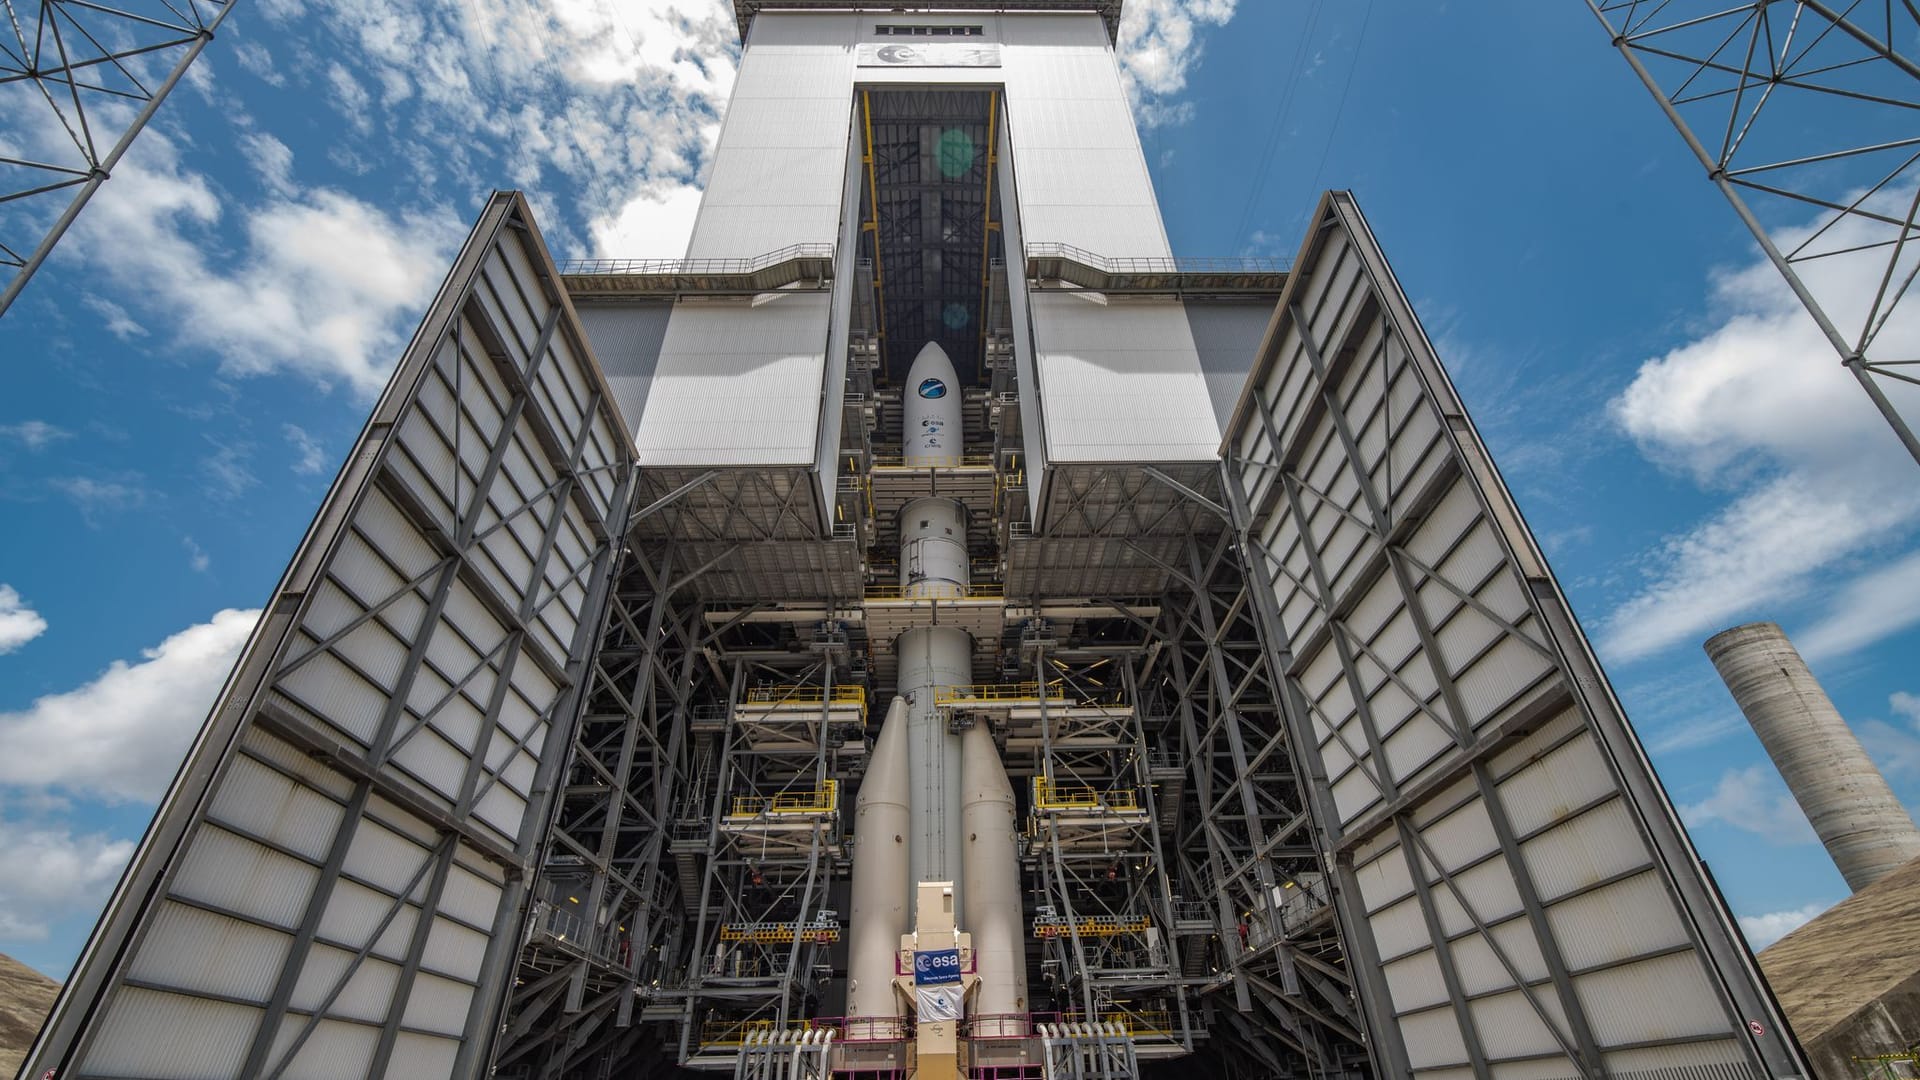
x: 778, y: 933
x: 848, y: 694
x: 984, y: 692
x: 1049, y: 796
x: 825, y: 800
x: 735, y: 1032
x: 1091, y: 926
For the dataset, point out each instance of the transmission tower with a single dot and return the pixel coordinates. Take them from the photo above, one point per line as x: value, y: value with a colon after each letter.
x: 1806, y: 116
x: 79, y: 80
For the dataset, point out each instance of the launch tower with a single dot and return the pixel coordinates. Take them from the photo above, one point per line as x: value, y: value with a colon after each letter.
x: 929, y: 630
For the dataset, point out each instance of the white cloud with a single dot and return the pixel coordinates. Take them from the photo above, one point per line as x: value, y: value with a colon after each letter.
x: 226, y: 471
x: 121, y: 737
x: 19, y: 623
x: 35, y: 435
x: 271, y: 160
x: 1157, y: 47
x: 325, y: 285
x: 118, y: 322
x: 47, y: 874
x: 1895, y: 747
x: 197, y: 556
x: 1764, y: 930
x: 1760, y: 407
x: 94, y: 498
x: 309, y: 457
x: 1755, y: 800
x: 651, y: 225
x: 1874, y: 605
x: 256, y: 60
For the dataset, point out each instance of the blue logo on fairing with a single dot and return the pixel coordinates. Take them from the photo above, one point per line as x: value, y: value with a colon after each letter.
x: 933, y: 388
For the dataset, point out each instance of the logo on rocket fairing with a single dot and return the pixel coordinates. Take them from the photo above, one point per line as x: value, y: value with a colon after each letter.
x: 933, y: 388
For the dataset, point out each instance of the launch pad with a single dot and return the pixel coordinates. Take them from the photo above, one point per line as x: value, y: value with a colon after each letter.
x: 929, y: 630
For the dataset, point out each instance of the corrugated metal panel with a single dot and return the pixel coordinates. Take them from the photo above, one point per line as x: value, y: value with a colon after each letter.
x: 1120, y: 382
x: 738, y: 384
x: 346, y: 739
x: 331, y: 1049
x: 627, y: 338
x: 1423, y: 627
x: 172, y: 1037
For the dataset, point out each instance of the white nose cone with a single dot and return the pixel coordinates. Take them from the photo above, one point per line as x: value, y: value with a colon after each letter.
x: 932, y: 405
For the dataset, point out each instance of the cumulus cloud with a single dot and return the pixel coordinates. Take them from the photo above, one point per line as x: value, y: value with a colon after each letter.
x: 1158, y: 46
x: 323, y: 287
x: 1764, y: 930
x: 48, y: 873
x: 120, y: 737
x: 19, y: 623
x: 1755, y: 800
x: 1760, y: 408
x: 35, y: 435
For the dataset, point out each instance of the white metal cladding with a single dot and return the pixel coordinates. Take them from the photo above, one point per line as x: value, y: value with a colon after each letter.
x: 333, y: 886
x: 781, y: 158
x: 776, y: 171
x: 1518, y: 898
x: 1118, y: 381
x: 739, y: 383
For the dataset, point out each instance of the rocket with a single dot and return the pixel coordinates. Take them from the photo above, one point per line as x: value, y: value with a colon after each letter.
x: 935, y: 805
x: 931, y: 401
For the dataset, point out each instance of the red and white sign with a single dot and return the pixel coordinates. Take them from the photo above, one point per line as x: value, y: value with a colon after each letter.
x: 1759, y: 1030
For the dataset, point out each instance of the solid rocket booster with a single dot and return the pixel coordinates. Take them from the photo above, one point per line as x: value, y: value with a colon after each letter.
x: 931, y: 403
x: 990, y: 879
x: 882, y: 888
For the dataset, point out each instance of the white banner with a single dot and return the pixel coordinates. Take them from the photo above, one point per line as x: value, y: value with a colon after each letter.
x: 940, y: 1002
x: 929, y: 54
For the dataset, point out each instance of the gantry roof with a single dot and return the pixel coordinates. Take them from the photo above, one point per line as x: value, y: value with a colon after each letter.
x: 745, y: 10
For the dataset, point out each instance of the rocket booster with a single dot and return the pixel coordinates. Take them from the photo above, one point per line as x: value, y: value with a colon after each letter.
x: 931, y: 402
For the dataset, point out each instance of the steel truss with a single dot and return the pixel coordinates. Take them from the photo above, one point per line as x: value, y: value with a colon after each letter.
x: 1266, y: 956
x: 1797, y: 107
x: 79, y: 80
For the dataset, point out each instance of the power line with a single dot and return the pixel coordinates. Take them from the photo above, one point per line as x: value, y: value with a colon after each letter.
x: 1281, y: 109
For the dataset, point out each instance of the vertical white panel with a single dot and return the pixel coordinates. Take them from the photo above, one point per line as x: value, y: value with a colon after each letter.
x: 738, y: 383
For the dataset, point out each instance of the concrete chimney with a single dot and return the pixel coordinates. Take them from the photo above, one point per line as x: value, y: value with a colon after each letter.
x: 1866, y: 830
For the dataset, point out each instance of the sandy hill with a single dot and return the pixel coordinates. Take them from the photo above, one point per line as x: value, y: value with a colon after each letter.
x: 25, y: 997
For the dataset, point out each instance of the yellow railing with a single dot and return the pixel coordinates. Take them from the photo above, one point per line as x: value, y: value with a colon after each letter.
x: 962, y: 461
x: 1091, y: 926
x: 932, y: 591
x: 824, y: 800
x: 735, y: 1032
x: 779, y: 933
x: 1048, y: 795
x: 987, y: 692
x: 1146, y: 1023
x: 850, y: 694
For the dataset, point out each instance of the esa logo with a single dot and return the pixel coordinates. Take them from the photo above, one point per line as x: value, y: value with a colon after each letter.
x: 932, y: 388
x: 935, y: 967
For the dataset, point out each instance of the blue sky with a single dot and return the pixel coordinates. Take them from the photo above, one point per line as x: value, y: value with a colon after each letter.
x: 185, y: 375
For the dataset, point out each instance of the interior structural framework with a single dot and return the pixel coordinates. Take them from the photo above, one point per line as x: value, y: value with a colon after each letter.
x: 927, y: 631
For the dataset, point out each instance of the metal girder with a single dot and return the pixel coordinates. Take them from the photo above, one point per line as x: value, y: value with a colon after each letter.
x: 77, y: 86
x: 1802, y: 114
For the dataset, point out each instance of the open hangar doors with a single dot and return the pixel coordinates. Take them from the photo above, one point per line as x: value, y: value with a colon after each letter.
x: 1517, y: 896
x: 334, y: 886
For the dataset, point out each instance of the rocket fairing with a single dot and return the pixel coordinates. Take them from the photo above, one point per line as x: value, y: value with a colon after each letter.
x: 931, y: 402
